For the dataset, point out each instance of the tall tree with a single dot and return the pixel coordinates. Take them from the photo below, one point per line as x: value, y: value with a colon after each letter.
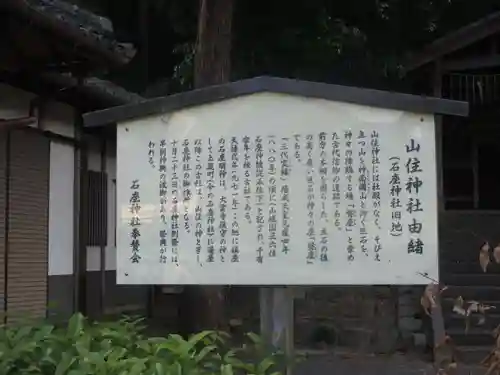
x: 212, y: 65
x: 213, y: 45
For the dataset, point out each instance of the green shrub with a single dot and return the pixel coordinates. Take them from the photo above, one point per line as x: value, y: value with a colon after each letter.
x: 119, y: 348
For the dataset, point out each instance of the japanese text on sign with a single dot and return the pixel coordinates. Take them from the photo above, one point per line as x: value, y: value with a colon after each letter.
x: 287, y: 207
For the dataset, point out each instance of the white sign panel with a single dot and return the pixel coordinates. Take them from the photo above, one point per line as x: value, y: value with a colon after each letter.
x: 274, y: 189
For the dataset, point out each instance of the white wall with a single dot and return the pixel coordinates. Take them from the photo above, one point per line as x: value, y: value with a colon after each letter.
x: 59, y: 118
x: 61, y: 209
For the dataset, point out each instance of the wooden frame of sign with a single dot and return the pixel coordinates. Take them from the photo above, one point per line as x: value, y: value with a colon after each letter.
x: 350, y: 179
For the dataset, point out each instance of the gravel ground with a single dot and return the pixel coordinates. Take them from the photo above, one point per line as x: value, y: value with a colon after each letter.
x: 352, y: 364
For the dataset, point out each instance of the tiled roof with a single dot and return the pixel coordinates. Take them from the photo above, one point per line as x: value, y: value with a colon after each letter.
x: 72, y: 21
x: 112, y: 90
x: 103, y: 91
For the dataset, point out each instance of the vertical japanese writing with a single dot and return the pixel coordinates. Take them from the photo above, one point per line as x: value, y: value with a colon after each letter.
x: 222, y: 200
x: 135, y: 222
x: 375, y: 183
x: 414, y: 184
x: 174, y: 218
x: 272, y: 222
x: 395, y: 192
x: 225, y: 200
x: 349, y: 195
x: 247, y: 190
x: 297, y: 147
x: 259, y: 197
x: 151, y: 153
x: 222, y: 163
x: 323, y: 189
x: 285, y: 196
x: 199, y: 197
x: 311, y: 234
x: 186, y: 183
x: 363, y: 192
x: 235, y: 187
x: 376, y: 248
x: 222, y: 227
x: 210, y: 184
x: 336, y: 169
x: 163, y: 201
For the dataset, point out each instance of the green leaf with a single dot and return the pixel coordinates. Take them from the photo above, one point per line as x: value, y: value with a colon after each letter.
x: 265, y: 365
x: 44, y: 332
x: 177, y: 369
x: 199, y: 337
x: 66, y: 362
x: 160, y: 369
x: 116, y: 354
x: 22, y: 333
x: 223, y: 336
x: 169, y: 346
x: 75, y: 325
x: 227, y: 370
x: 138, y: 367
x: 116, y: 348
x: 255, y: 338
x: 204, y: 352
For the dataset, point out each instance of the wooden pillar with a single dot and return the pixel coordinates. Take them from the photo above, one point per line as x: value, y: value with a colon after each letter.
x: 266, y: 303
x: 103, y: 237
x: 80, y: 191
x: 437, y: 88
x: 438, y: 328
x: 277, y: 320
x: 6, y: 215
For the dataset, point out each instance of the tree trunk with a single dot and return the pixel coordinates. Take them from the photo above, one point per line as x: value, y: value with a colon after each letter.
x: 212, y: 65
x: 213, y: 45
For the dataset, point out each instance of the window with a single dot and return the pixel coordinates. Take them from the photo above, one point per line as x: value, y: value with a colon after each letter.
x: 471, y: 166
x: 98, y: 209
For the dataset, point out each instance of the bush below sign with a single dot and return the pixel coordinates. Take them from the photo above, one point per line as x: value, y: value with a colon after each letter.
x: 119, y: 348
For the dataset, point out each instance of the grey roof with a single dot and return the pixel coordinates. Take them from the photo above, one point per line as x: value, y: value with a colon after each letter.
x: 113, y: 91
x: 72, y: 21
x: 106, y: 92
x: 368, y: 97
x: 65, y: 11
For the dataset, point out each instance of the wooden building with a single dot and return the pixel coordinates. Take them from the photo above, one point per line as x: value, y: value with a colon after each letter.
x: 465, y: 65
x: 56, y: 183
x: 56, y: 175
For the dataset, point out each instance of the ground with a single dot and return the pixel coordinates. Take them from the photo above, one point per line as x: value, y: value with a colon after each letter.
x: 358, y: 364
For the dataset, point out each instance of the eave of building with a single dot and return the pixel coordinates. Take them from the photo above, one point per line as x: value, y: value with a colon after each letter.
x: 455, y: 41
x: 16, y: 122
x: 85, y: 94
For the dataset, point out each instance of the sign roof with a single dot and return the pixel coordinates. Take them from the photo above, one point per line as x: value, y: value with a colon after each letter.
x: 346, y: 94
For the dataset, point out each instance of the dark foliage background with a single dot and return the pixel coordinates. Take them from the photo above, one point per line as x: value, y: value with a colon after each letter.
x: 357, y: 42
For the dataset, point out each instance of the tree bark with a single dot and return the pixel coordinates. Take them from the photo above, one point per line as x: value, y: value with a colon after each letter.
x: 212, y: 65
x: 213, y: 45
